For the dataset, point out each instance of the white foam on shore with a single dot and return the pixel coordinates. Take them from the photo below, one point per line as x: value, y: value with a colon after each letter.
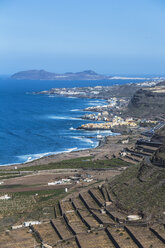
x: 72, y: 128
x: 55, y: 117
x: 31, y: 157
x: 84, y: 139
x: 107, y: 132
x: 97, y: 102
x: 72, y: 149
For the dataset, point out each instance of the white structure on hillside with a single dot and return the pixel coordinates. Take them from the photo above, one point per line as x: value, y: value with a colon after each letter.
x: 134, y: 217
x: 5, y: 197
x: 62, y: 181
x: 16, y: 227
x: 30, y: 223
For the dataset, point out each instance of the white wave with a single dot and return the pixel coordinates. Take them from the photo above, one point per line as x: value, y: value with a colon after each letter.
x: 55, y: 117
x: 31, y: 157
x: 72, y: 128
x: 106, y: 132
x: 51, y: 96
x: 75, y: 110
x: 72, y: 149
x: 84, y: 139
x: 96, y: 101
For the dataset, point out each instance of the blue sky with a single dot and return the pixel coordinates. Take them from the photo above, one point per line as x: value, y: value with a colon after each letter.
x: 109, y: 36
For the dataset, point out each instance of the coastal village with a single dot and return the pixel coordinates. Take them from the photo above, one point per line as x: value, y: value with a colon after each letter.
x: 111, y: 115
x: 117, y: 121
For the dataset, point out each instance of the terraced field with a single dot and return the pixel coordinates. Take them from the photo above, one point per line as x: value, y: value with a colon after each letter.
x: 95, y: 240
x: 121, y: 237
x: 88, y: 201
x: 75, y: 223
x: 61, y: 228
x: 87, y: 222
x: 17, y: 239
x: 47, y: 233
x: 88, y: 219
x: 145, y: 237
x: 66, y: 207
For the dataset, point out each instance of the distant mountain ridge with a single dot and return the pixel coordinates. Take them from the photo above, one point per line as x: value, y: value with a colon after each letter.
x: 44, y: 75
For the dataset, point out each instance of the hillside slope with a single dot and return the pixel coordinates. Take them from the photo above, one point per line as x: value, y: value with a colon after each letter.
x: 141, y: 188
x: 148, y: 102
x: 159, y: 136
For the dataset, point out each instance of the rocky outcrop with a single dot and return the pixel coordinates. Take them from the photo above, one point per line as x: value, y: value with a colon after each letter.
x: 159, y: 136
x: 159, y: 156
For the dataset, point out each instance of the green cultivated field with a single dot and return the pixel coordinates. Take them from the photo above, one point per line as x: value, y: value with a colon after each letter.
x: 86, y: 162
x: 39, y: 204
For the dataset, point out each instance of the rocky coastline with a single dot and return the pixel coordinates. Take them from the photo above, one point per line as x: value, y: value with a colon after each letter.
x: 112, y: 120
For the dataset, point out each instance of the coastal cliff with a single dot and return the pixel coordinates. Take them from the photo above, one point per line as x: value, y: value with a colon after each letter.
x: 148, y: 102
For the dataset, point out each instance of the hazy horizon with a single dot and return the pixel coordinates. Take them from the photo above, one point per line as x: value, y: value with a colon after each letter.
x: 7, y: 75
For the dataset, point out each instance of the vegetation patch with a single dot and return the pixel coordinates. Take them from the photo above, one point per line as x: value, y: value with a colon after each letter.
x: 79, y: 163
x: 33, y: 205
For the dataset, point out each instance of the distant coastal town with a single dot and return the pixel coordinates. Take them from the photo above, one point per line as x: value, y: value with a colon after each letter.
x: 117, y: 113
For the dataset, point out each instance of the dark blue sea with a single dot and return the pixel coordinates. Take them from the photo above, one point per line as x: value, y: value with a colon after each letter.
x: 33, y: 126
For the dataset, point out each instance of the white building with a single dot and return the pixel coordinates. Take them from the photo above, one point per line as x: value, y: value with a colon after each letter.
x: 16, y: 227
x: 5, y: 197
x: 134, y: 217
x: 30, y: 223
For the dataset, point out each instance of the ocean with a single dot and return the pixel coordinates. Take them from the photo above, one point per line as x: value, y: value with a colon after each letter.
x: 33, y: 126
